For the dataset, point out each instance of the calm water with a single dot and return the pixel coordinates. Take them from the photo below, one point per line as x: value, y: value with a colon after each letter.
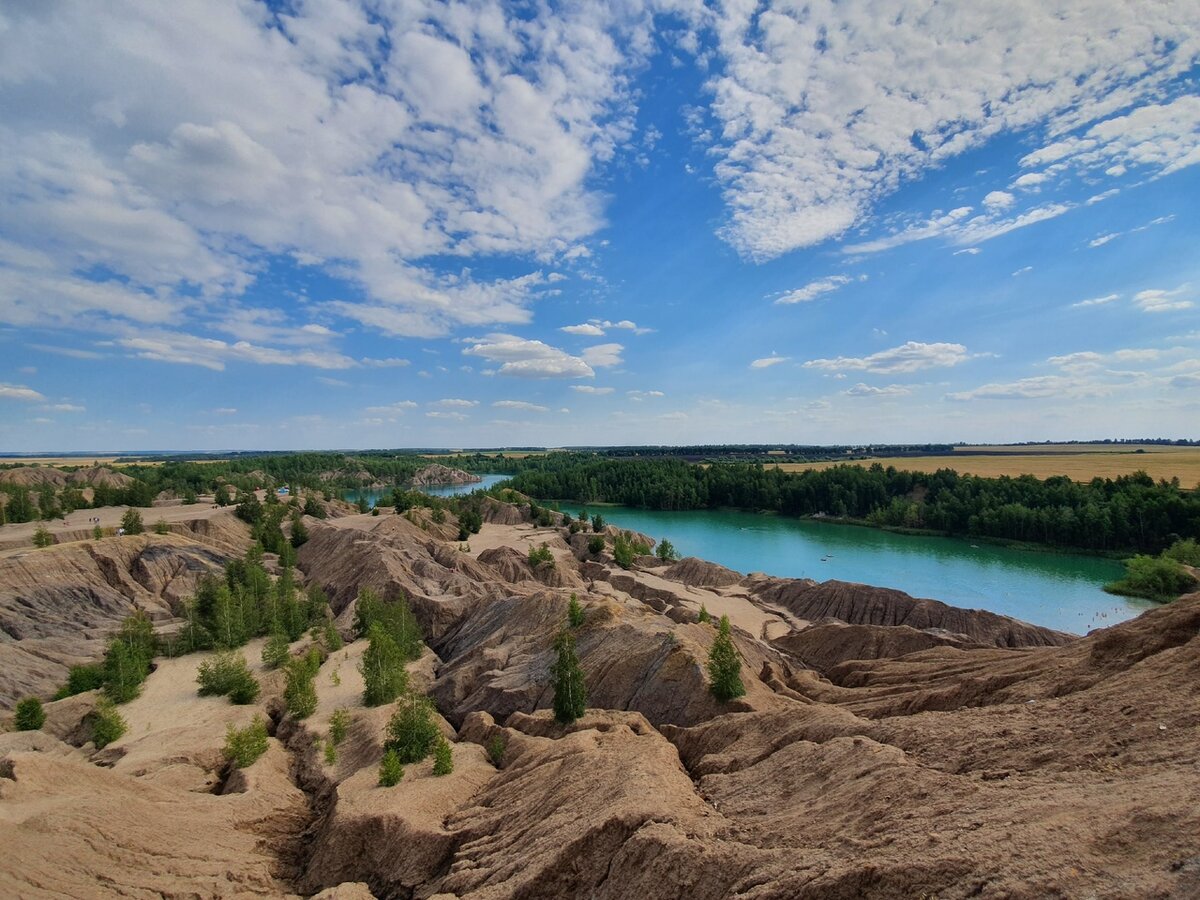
x: 1050, y: 589
x: 443, y: 490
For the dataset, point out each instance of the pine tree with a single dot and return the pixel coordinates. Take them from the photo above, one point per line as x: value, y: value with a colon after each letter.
x: 42, y: 538
x: 705, y: 616
x: 574, y: 612
x: 570, y: 692
x: 132, y: 522
x: 390, y: 769
x: 443, y: 757
x: 724, y: 665
x: 383, y: 671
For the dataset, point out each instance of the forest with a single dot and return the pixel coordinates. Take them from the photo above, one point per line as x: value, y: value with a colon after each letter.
x: 1129, y: 513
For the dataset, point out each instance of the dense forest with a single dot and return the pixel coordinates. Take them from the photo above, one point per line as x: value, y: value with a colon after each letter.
x: 1128, y: 513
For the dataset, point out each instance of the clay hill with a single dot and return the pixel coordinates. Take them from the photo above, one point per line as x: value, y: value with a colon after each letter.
x: 887, y: 746
x: 35, y: 476
x: 436, y: 474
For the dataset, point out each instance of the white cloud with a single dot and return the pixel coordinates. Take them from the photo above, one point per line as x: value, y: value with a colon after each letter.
x: 1155, y: 301
x: 908, y: 357
x: 454, y: 403
x: 64, y: 407
x: 389, y: 363
x: 824, y: 108
x: 520, y: 404
x: 19, y: 392
x: 449, y: 416
x: 525, y: 358
x: 1096, y: 301
x: 391, y: 409
x: 586, y: 329
x: 813, y: 289
x: 1103, y: 239
x: 644, y: 395
x: 768, y: 361
x: 188, y: 349
x: 602, y: 356
x: 970, y: 251
x: 1024, y: 270
x: 997, y: 200
x: 591, y: 389
x: 225, y: 411
x: 1031, y: 180
x: 866, y: 390
x: 1038, y: 388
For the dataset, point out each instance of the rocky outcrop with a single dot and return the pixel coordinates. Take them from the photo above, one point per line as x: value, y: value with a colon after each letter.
x: 36, y: 476
x: 514, y: 567
x: 827, y: 644
x: 861, y: 604
x: 437, y: 474
x: 701, y: 573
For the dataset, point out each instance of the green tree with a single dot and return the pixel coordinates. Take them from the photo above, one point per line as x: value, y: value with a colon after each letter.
x: 705, y: 616
x: 1153, y: 577
x: 42, y: 538
x: 390, y: 769
x: 725, y: 665
x: 596, y: 545
x: 313, y: 507
x: 597, y: 523
x: 300, y: 691
x: 412, y: 730
x: 666, y: 551
x: 540, y: 556
x: 299, y: 532
x: 222, y: 496
x: 227, y: 675
x: 623, y: 552
x: 244, y: 745
x: 574, y: 612
x: 570, y: 692
x: 97, y: 533
x: 495, y: 750
x: 339, y: 725
x: 107, y: 724
x: 124, y: 672
x: 80, y: 679
x: 443, y: 757
x: 161, y: 527
x: 29, y: 715
x: 275, y: 652
x: 132, y: 521
x: 384, y: 676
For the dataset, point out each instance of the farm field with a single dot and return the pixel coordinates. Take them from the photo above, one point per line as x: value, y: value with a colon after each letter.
x: 1079, y: 463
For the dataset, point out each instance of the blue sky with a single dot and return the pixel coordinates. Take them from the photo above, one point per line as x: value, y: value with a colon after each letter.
x: 375, y: 224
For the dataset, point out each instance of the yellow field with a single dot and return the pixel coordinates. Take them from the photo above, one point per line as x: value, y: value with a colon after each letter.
x: 70, y: 461
x: 1077, y: 463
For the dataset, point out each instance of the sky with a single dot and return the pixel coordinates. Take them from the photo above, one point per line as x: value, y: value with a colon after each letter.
x: 228, y: 224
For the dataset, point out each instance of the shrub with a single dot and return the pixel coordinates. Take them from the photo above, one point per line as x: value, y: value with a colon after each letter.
x: 97, y: 532
x: 540, y: 556
x: 724, y: 665
x: 300, y: 693
x: 390, y: 769
x: 570, y: 692
x: 1186, y: 552
x: 666, y: 551
x: 42, y: 537
x: 107, y: 724
x: 1155, y: 578
x: 623, y: 552
x: 80, y: 679
x: 339, y: 724
x: 29, y: 715
x: 384, y: 677
x: 331, y: 638
x: 227, y: 675
x: 124, y: 672
x: 495, y: 750
x: 705, y: 616
x: 395, y: 616
x: 574, y: 612
x: 412, y: 730
x: 330, y: 753
x: 597, y: 522
x: 161, y: 527
x: 596, y: 545
x: 132, y: 521
x: 443, y: 757
x: 275, y: 651
x: 244, y: 745
x: 313, y: 507
x: 299, y: 532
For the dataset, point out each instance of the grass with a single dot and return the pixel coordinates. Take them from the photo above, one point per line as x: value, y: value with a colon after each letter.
x: 1077, y: 463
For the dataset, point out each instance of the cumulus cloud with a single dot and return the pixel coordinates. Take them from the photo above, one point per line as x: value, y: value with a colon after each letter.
x: 454, y: 403
x: 210, y: 353
x: 389, y: 363
x: 524, y: 358
x: 866, y: 390
x: 1157, y: 301
x: 602, y: 356
x: 591, y: 389
x: 392, y: 409
x: 824, y: 108
x: 585, y: 329
x: 767, y: 361
x: 19, y: 392
x: 912, y: 356
x: 644, y: 395
x: 999, y: 200
x: 449, y: 416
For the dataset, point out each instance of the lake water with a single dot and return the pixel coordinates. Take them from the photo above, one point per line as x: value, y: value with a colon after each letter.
x: 441, y: 490
x: 1050, y: 589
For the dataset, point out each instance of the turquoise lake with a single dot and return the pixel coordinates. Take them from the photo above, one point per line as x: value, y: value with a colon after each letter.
x: 1056, y: 590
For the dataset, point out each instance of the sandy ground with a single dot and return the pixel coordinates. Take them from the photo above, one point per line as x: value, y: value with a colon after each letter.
x: 110, y: 517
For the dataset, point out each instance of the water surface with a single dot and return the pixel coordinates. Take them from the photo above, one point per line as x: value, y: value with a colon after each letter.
x: 440, y: 490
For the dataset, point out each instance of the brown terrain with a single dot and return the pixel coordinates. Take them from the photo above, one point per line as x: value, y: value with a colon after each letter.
x: 887, y: 746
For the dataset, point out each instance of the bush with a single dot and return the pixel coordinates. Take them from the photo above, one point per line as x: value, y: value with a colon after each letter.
x: 331, y: 638
x: 339, y: 724
x: 495, y: 750
x: 1186, y: 552
x: 132, y: 522
x: 227, y: 675
x: 161, y: 527
x: 540, y: 556
x: 107, y: 724
x: 570, y: 692
x: 623, y: 552
x: 574, y: 612
x: 705, y: 617
x: 412, y: 730
x: 597, y: 522
x: 275, y: 651
x: 1155, y: 578
x: 299, y: 532
x: 724, y: 665
x: 313, y: 507
x: 80, y: 679
x: 97, y: 532
x: 42, y: 538
x: 443, y: 757
x: 384, y: 676
x: 330, y: 753
x: 244, y: 745
x: 390, y: 769
x: 29, y: 715
x: 596, y: 545
x: 666, y: 551
x: 396, y: 618
x: 300, y: 693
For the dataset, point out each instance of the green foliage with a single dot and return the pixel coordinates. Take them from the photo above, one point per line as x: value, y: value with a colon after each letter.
x: 124, y: 671
x: 299, y: 532
x: 132, y: 522
x: 439, y: 516
x: 161, y: 527
x: 107, y: 724
x: 339, y: 724
x: 574, y: 612
x: 244, y: 745
x: 666, y: 551
x: 330, y: 753
x: 1155, y: 578
x: 412, y: 730
x: 300, y: 690
x: 275, y: 651
x: 623, y: 552
x: 249, y: 509
x: 495, y: 750
x: 570, y: 692
x: 97, y: 532
x: 443, y: 757
x: 725, y: 665
x: 29, y: 715
x: 540, y: 556
x: 384, y: 676
x: 222, y: 497
x: 597, y: 522
x: 80, y: 679
x: 313, y: 507
x: 227, y: 675
x: 331, y: 638
x: 42, y: 537
x: 705, y: 617
x: 390, y: 769
x: 596, y: 545
x: 396, y: 618
x: 1186, y: 552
